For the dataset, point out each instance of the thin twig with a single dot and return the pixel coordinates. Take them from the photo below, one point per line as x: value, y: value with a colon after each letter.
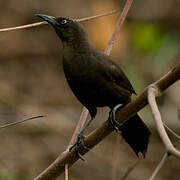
x: 178, y: 113
x: 131, y: 169
x: 159, y: 166
x: 23, y: 27
x: 79, y: 126
x: 19, y: 122
x: 57, y: 168
x: 115, y: 158
x: 118, y: 26
x: 97, y: 16
x: 171, y: 131
x: 153, y: 91
x: 66, y: 172
x: 44, y: 22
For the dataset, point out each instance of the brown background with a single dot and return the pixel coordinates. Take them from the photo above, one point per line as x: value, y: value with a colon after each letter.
x: 32, y: 83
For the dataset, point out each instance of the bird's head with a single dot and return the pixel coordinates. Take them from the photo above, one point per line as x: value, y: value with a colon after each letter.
x: 67, y: 29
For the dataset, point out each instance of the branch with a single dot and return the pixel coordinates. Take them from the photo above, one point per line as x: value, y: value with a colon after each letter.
x: 178, y: 113
x: 171, y: 131
x: 131, y: 169
x: 118, y: 26
x: 66, y: 172
x: 141, y: 101
x: 19, y: 122
x: 153, y: 92
x: 100, y: 133
x: 44, y: 22
x: 79, y: 126
x: 159, y: 166
x: 115, y: 158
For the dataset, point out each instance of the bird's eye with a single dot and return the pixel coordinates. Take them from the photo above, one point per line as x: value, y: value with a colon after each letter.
x: 64, y: 21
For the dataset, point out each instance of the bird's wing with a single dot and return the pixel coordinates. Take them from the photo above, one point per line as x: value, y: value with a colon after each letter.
x: 113, y: 72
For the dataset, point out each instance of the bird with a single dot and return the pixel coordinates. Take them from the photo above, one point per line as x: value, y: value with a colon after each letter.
x: 97, y: 81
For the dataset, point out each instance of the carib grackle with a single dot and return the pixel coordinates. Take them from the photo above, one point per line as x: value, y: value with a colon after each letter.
x: 97, y: 81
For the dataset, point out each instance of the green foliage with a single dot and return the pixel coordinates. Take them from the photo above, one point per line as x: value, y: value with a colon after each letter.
x: 5, y: 175
x: 155, y: 43
x: 147, y: 37
x: 136, y: 78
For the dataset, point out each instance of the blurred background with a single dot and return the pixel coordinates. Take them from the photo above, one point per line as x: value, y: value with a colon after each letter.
x: 32, y: 83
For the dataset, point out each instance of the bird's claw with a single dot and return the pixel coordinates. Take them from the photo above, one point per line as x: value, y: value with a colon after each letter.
x: 79, y: 141
x: 112, y: 119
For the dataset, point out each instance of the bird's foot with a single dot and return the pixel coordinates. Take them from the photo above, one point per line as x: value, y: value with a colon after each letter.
x: 79, y: 141
x: 112, y: 119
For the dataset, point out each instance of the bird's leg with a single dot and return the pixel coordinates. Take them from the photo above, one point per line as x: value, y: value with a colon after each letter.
x: 80, y: 138
x: 112, y: 118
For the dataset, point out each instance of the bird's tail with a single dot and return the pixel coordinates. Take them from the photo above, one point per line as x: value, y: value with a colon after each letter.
x: 136, y: 134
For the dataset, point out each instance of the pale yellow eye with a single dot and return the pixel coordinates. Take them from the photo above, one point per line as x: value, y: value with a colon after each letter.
x: 64, y: 21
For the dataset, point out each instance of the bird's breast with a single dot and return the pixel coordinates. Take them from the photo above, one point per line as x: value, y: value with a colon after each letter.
x: 89, y: 85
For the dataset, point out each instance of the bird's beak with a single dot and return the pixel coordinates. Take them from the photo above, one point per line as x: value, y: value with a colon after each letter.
x: 50, y: 19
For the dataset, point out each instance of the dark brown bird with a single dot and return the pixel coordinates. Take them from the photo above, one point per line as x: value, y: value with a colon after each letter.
x: 96, y: 80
